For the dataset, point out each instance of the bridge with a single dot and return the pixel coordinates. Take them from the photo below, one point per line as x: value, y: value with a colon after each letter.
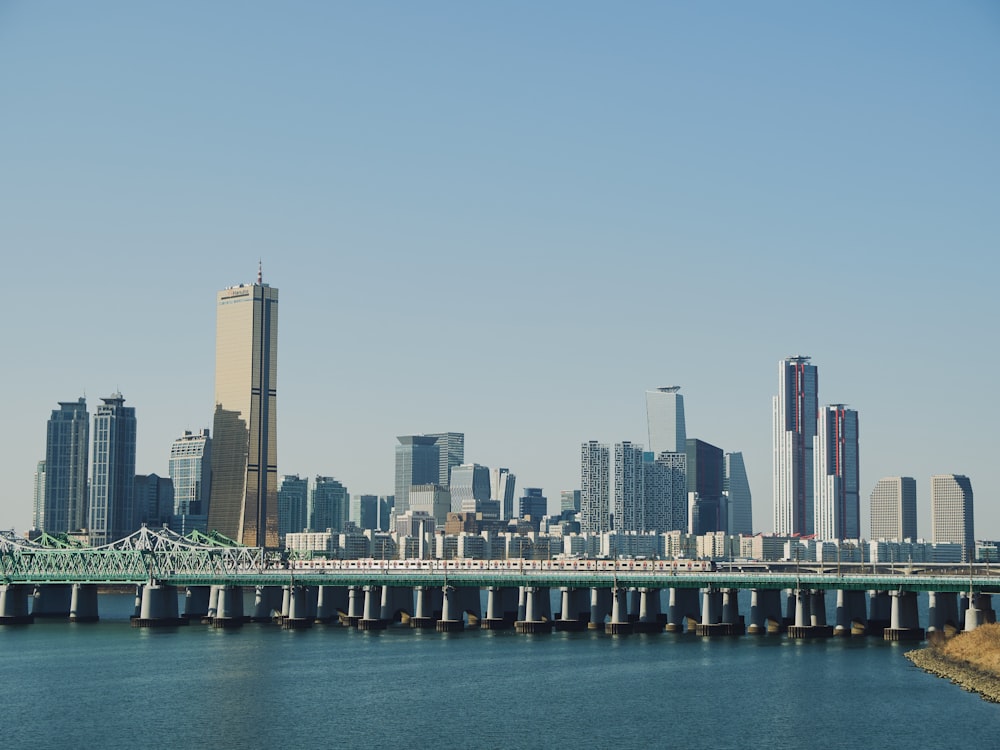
x: 61, y: 579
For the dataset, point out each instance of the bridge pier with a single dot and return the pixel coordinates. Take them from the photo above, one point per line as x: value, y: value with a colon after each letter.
x: 329, y: 599
x: 355, y: 606
x: 228, y: 607
x: 879, y: 612
x: 574, y: 609
x: 632, y: 599
x: 451, y: 614
x: 600, y: 607
x: 979, y: 612
x: 213, y: 605
x: 942, y: 613
x: 810, y: 615
x: 765, y: 611
x: 851, y: 615
x: 683, y: 609
x: 501, y: 608
x: 14, y: 605
x: 904, y: 624
x: 51, y: 600
x: 619, y: 624
x: 716, y: 617
x: 196, y: 602
x: 297, y: 615
x: 83, y: 603
x: 649, y: 618
x: 428, y: 607
x: 267, y: 599
x: 371, y: 617
x: 395, y: 601
x: 158, y: 607
x: 537, y: 611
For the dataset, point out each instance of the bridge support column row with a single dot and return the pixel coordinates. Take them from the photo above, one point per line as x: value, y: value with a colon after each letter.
x: 683, y: 609
x: 451, y: 614
x: 14, y: 604
x: 904, y: 623
x: 228, y: 612
x: 650, y: 619
x: 619, y: 624
x: 157, y: 607
x: 765, y: 611
x: 537, y: 611
x: 810, y: 615
x: 851, y: 614
x: 83, y: 603
x: 574, y: 610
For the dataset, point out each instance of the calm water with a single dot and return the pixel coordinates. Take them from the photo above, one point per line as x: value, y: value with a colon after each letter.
x: 110, y: 686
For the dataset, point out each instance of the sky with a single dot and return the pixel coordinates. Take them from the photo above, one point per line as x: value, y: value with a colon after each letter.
x: 508, y: 220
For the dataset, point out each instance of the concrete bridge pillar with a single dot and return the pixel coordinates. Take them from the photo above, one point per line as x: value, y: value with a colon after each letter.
x: 158, y: 607
x: 396, y: 600
x: 718, y: 609
x: 196, y: 602
x: 817, y: 608
x: 649, y: 620
x: 451, y: 614
x: 879, y: 612
x: 632, y: 598
x: 428, y: 607
x: 14, y: 604
x: 711, y: 607
x: 942, y: 613
x: 522, y: 603
x: 330, y: 601
x: 297, y: 616
x: 574, y: 609
x: 537, y: 611
x: 851, y: 618
x: 731, y: 611
x: 501, y: 608
x: 619, y: 624
x: 355, y: 602
x: 765, y: 611
x: 810, y: 615
x: 904, y: 622
x: 978, y: 611
x: 83, y: 603
x: 51, y: 600
x: 682, y: 610
x: 371, y: 618
x: 266, y: 600
x: 791, y: 605
x: 213, y: 605
x: 600, y: 608
x: 228, y: 607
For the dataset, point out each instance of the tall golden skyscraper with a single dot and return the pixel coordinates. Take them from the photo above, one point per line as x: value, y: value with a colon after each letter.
x: 244, y: 497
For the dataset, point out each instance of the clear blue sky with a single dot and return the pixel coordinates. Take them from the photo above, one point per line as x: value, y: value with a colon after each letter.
x: 509, y: 220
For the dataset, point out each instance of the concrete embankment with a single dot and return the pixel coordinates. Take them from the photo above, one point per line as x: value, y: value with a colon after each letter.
x: 962, y: 673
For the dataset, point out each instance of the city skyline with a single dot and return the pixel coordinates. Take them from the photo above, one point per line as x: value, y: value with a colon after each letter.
x: 741, y: 159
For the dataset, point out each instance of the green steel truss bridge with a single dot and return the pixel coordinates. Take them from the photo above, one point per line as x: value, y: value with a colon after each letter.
x: 165, y: 557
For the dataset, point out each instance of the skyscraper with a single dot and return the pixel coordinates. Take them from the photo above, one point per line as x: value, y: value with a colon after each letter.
x: 293, y: 505
x: 38, y: 513
x: 113, y: 474
x: 452, y: 453
x: 502, y: 490
x: 533, y: 504
x: 739, y: 502
x: 951, y: 512
x: 665, y: 418
x: 795, y: 409
x: 244, y: 499
x: 328, y: 505
x: 837, y: 504
x: 894, y: 509
x: 66, y: 450
x: 569, y: 501
x: 705, y: 476
x: 418, y: 461
x: 190, y: 469
x: 665, y: 492
x: 630, y: 500
x: 594, y: 488
x: 470, y: 491
x: 153, y: 502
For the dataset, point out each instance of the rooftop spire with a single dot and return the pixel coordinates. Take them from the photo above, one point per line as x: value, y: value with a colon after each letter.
x: 260, y: 271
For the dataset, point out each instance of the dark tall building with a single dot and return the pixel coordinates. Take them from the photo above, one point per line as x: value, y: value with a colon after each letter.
x: 368, y: 512
x: 418, y: 461
x: 533, y: 503
x: 705, y: 476
x: 329, y: 505
x: 244, y: 498
x: 112, y: 484
x: 293, y: 505
x: 64, y: 507
x: 153, y: 500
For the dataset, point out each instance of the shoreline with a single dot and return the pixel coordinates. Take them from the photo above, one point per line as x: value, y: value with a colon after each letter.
x: 967, y: 676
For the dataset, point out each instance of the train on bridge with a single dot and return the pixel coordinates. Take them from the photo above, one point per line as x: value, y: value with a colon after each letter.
x: 608, y: 566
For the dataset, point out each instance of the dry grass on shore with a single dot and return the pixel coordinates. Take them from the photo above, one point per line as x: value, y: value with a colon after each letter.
x: 980, y: 648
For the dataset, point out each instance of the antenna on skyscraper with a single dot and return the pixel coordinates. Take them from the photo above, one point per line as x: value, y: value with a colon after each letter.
x: 260, y: 272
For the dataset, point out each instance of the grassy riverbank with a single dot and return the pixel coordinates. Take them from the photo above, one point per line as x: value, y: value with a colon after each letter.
x: 970, y: 660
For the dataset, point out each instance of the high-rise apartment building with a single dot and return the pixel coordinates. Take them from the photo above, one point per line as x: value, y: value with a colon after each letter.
x: 665, y: 492
x: 739, y: 503
x: 629, y: 500
x: 293, y: 505
x: 951, y: 512
x: 452, y: 453
x: 190, y: 469
x: 64, y: 507
x: 795, y: 411
x: 366, y: 509
x: 595, y: 492
x: 244, y: 498
x: 502, y: 490
x: 418, y: 461
x: 665, y: 418
x: 113, y: 471
x: 38, y: 497
x: 894, y: 509
x: 328, y: 505
x: 836, y: 498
